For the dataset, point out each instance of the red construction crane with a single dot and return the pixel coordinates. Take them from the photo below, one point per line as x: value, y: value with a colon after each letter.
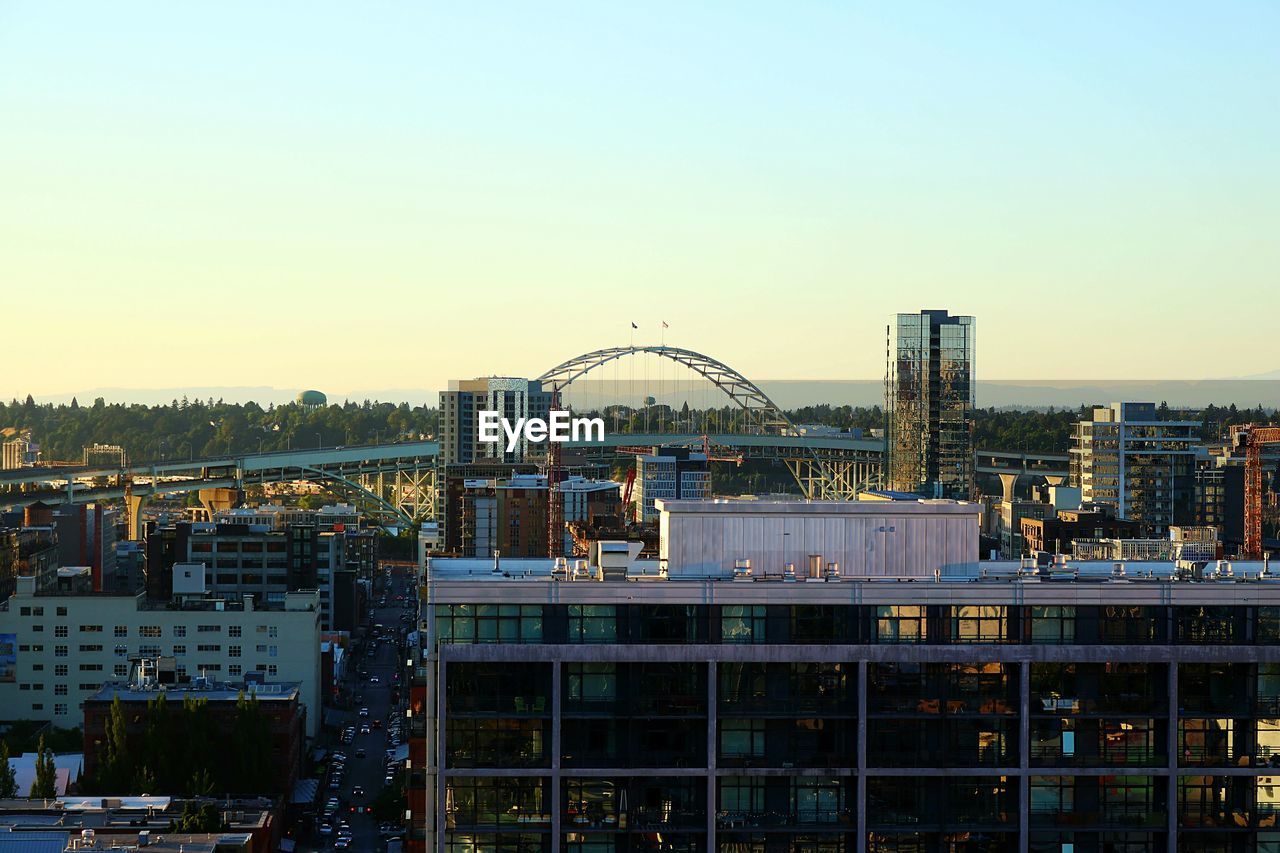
x: 628, y: 511
x: 555, y: 497
x: 1251, y: 438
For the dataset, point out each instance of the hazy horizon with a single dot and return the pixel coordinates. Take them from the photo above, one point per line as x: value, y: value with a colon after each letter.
x: 787, y: 393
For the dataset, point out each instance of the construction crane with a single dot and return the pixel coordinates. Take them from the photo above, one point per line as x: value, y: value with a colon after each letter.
x: 628, y: 511
x: 1251, y: 437
x: 555, y: 497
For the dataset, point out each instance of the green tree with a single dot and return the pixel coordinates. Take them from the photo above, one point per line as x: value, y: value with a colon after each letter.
x: 8, y: 776
x: 45, y: 786
x: 115, y: 770
x: 251, y: 733
x: 199, y: 819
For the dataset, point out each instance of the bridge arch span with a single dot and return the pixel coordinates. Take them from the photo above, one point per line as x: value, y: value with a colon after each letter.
x: 765, y: 416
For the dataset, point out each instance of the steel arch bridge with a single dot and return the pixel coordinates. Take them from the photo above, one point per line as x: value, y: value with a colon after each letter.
x: 820, y: 476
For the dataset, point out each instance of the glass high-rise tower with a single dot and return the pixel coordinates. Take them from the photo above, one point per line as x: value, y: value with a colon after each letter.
x: 929, y: 398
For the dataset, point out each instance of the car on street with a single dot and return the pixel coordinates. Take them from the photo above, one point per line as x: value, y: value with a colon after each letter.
x: 357, y: 791
x: 359, y: 753
x: 364, y: 712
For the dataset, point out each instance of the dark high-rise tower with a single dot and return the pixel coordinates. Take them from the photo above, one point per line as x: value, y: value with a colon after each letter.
x: 929, y: 398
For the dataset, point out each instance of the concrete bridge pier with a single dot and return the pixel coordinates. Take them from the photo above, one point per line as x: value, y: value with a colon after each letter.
x: 215, y: 500
x: 135, y: 504
x: 1007, y: 481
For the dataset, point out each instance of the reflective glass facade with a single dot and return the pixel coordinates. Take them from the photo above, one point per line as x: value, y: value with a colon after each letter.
x: 930, y: 399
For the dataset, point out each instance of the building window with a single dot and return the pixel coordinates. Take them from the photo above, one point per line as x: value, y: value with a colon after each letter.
x: 271, y: 669
x: 742, y: 623
x: 741, y: 740
x: 60, y: 669
x: 60, y: 631
x: 489, y: 623
x: 978, y: 623
x: 591, y: 683
x: 741, y: 797
x: 900, y: 623
x: 234, y: 669
x: 59, y: 690
x: 121, y: 651
x: 209, y: 649
x: 62, y: 611
x: 233, y: 651
x: 121, y: 670
x: 91, y: 629
x: 60, y: 651
x: 1131, y: 624
x: 273, y: 631
x: 209, y: 629
x: 593, y: 623
x: 122, y: 630
x: 233, y: 631
x: 179, y: 630
x: 1051, y: 624
x: 1208, y: 625
x: 60, y: 710
x: 149, y: 631
x: 90, y: 648
x: 179, y: 651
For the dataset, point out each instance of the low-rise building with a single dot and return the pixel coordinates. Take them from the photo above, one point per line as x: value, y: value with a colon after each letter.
x: 67, y: 646
x: 279, y: 702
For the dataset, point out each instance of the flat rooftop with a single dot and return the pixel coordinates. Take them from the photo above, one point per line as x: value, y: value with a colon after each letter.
x: 539, y: 569
x: 270, y: 692
x: 919, y: 506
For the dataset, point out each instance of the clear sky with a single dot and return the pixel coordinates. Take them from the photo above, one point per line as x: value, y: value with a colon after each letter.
x: 377, y: 195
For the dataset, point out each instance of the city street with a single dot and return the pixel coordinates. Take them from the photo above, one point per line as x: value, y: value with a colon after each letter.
x: 366, y: 755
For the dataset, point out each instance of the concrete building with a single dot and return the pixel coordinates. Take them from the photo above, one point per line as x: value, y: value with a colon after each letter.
x: 18, y: 450
x: 930, y: 400
x: 943, y: 708
x: 670, y: 473
x: 1141, y: 466
x: 67, y: 646
x: 460, y: 409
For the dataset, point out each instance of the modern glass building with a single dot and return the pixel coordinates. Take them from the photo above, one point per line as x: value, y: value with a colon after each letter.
x: 1074, y: 709
x: 929, y: 398
x: 1142, y: 467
